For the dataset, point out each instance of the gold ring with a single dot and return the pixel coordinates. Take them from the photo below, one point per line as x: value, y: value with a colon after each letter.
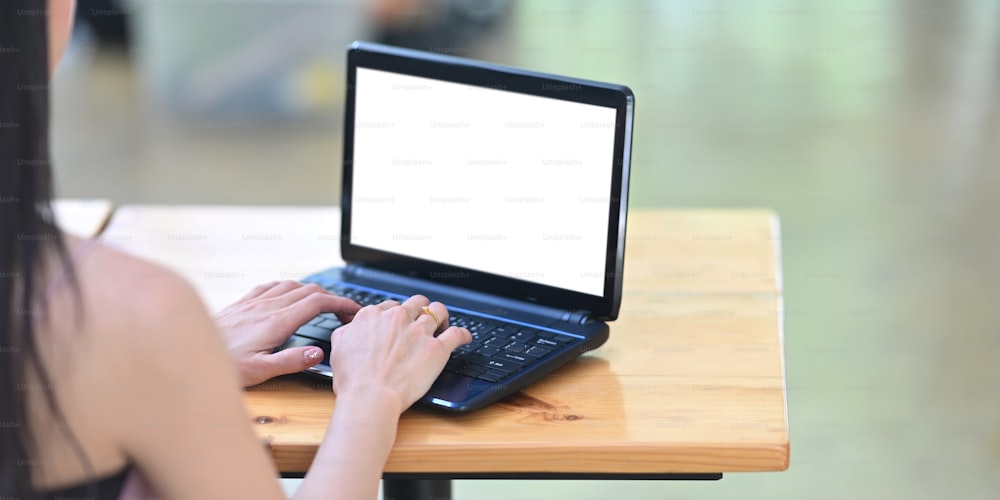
x: 427, y: 310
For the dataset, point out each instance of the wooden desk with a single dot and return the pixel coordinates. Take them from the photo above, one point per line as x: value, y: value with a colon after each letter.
x: 691, y: 381
x: 84, y: 218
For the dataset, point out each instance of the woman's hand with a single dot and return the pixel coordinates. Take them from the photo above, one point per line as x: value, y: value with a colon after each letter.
x: 266, y: 317
x: 393, y: 350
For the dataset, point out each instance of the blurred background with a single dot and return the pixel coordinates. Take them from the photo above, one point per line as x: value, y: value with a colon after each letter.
x: 871, y: 127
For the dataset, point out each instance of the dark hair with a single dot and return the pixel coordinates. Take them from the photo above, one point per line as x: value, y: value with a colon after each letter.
x: 27, y: 235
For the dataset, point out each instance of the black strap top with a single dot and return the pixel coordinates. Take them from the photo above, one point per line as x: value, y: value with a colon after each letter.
x: 106, y: 488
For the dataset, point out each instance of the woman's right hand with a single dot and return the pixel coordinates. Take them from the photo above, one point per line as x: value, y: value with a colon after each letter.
x: 395, y: 350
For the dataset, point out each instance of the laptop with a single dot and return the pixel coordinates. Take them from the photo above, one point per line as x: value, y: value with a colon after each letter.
x: 525, y: 176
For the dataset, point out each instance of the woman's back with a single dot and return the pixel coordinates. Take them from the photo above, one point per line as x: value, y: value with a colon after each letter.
x: 110, y: 363
x: 141, y: 377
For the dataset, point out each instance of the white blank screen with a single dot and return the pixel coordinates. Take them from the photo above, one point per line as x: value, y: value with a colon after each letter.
x: 505, y: 183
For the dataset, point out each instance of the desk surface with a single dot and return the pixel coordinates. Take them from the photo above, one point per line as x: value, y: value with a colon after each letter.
x: 691, y: 380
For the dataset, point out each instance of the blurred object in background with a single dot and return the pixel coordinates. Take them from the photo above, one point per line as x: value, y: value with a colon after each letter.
x: 226, y: 59
x: 443, y: 26
x: 107, y: 19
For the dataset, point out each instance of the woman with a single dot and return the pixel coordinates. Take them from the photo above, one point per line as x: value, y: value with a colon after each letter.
x: 104, y: 389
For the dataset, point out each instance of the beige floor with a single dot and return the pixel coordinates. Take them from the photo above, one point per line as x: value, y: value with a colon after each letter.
x: 873, y: 128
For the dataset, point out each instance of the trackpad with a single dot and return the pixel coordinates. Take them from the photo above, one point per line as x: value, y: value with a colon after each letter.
x: 453, y: 390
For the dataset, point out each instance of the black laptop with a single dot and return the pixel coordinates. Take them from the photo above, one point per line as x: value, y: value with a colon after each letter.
x: 525, y: 176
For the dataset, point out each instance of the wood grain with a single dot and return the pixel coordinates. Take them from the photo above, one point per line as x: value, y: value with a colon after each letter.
x: 691, y: 380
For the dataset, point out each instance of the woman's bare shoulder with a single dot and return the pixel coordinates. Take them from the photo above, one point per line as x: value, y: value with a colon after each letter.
x: 125, y: 292
x: 147, y: 356
x: 135, y: 330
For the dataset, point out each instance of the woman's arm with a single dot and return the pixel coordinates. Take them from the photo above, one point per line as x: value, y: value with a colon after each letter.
x: 185, y: 425
x: 354, y: 449
x: 383, y: 361
x: 181, y: 416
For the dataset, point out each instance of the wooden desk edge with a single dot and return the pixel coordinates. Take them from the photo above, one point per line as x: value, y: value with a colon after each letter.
x: 780, y: 282
x: 624, y: 459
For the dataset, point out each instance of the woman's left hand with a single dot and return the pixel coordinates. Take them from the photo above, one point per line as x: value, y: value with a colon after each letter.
x: 266, y: 317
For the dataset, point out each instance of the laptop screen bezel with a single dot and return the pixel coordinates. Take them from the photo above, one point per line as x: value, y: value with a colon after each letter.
x: 470, y: 72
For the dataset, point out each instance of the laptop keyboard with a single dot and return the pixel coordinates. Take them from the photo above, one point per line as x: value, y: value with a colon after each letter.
x: 497, y: 351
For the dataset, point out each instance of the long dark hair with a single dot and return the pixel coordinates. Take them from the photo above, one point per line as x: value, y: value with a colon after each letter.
x: 28, y: 235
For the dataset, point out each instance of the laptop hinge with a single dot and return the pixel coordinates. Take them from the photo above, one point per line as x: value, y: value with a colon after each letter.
x: 351, y: 269
x: 580, y: 316
x: 389, y: 281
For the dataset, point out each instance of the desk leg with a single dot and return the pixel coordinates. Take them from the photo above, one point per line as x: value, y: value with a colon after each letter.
x: 416, y: 489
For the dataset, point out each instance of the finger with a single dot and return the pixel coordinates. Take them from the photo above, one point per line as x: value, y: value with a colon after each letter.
x: 291, y: 360
x: 296, y: 294
x: 414, y: 305
x: 385, y: 305
x: 455, y: 336
x: 258, y: 290
x: 280, y: 288
x: 441, y: 312
x: 347, y: 315
x: 438, y: 316
x: 298, y: 313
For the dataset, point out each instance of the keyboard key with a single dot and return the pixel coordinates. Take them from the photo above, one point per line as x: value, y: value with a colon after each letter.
x: 536, y: 351
x: 544, y: 342
x: 314, y: 332
x: 472, y: 370
x: 510, y: 356
x: 522, y: 336
x: 516, y: 347
x: 461, y: 357
x: 493, y: 376
x: 468, y: 347
x: 504, y: 364
x: 488, y: 350
x: 555, y: 337
x: 478, y: 359
x: 504, y: 331
x: 330, y: 324
x: 495, y: 341
x: 481, y: 328
x: 496, y: 369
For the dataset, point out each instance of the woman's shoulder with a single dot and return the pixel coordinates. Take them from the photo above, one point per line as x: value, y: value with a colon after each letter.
x: 125, y: 292
x: 122, y: 324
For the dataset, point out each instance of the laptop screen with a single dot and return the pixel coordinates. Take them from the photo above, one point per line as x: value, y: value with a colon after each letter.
x: 486, y: 179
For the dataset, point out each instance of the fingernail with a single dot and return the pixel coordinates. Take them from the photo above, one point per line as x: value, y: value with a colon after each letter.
x: 314, y: 354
